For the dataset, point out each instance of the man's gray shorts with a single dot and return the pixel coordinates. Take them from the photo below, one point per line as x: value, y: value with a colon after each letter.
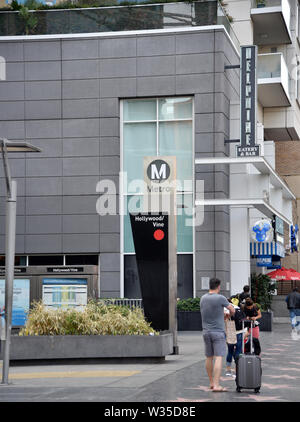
x: 215, y: 343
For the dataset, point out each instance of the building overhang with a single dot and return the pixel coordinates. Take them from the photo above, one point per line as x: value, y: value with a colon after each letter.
x: 281, y: 133
x: 260, y: 204
x: 260, y: 163
x: 273, y: 80
x: 262, y: 189
x: 271, y: 24
x: 262, y: 249
x: 271, y: 93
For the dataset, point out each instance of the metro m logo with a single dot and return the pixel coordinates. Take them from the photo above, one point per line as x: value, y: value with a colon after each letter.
x: 158, y: 171
x: 161, y: 174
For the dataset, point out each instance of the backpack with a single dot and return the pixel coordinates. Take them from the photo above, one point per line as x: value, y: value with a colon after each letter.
x: 238, y: 318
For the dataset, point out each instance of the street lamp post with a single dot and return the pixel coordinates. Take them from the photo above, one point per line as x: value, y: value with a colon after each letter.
x: 10, y: 237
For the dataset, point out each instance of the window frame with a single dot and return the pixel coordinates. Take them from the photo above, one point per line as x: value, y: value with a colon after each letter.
x: 178, y: 193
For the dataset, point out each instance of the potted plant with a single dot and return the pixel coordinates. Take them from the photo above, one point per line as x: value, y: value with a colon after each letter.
x: 188, y: 314
x: 260, y: 3
x: 97, y: 331
x: 30, y: 21
x: 262, y: 291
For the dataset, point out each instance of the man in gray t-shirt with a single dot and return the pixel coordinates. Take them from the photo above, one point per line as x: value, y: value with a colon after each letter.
x: 212, y: 311
x: 212, y: 307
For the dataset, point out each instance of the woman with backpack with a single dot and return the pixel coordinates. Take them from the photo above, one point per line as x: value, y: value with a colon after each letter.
x: 234, y: 336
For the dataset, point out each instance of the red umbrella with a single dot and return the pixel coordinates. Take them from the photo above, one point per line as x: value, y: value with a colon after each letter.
x: 284, y: 274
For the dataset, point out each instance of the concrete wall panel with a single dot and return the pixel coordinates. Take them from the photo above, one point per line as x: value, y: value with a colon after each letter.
x: 64, y: 96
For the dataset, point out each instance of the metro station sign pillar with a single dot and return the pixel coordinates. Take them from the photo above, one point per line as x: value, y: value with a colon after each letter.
x: 155, y: 240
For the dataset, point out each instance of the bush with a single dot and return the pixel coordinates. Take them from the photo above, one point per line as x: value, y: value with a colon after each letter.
x: 190, y: 304
x: 94, y: 319
x: 69, y: 4
x: 262, y: 289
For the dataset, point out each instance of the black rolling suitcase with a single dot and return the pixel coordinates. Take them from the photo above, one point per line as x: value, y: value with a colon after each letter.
x: 248, y: 369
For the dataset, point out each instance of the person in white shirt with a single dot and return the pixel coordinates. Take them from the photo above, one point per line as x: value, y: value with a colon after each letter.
x: 234, y: 350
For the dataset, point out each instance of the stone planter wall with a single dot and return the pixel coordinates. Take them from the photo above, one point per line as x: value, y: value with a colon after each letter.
x: 92, y: 347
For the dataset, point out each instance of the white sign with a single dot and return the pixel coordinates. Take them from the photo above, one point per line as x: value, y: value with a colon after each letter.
x: 65, y: 293
x: 205, y: 283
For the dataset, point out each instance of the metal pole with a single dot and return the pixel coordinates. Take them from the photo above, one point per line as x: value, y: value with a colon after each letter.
x: 173, y: 271
x: 11, y: 205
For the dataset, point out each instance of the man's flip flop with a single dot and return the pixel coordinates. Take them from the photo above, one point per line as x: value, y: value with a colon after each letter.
x: 220, y: 390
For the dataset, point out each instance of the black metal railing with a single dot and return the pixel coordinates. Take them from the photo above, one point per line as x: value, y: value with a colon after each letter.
x: 131, y: 303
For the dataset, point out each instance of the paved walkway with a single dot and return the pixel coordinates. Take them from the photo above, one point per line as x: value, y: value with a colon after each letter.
x: 180, y: 378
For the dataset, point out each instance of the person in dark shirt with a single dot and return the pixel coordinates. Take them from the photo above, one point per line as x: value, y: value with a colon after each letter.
x: 244, y: 295
x: 293, y: 305
x: 252, y: 313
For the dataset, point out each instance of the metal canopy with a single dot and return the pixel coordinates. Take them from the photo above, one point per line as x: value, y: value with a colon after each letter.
x: 260, y: 163
x: 260, y: 204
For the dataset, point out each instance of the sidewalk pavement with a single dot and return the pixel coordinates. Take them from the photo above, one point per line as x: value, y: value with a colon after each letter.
x: 180, y: 378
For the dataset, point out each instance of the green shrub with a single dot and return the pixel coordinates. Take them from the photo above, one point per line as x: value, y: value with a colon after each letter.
x: 30, y: 21
x: 94, y: 319
x: 68, y: 4
x: 15, y: 5
x: 262, y: 289
x: 190, y: 304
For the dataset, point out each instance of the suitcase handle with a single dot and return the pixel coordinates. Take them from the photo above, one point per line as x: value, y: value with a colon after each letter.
x: 251, y: 335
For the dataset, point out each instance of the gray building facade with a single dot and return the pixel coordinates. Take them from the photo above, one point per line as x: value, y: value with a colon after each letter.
x: 64, y: 94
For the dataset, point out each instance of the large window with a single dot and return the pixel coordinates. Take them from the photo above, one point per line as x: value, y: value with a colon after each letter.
x: 157, y: 127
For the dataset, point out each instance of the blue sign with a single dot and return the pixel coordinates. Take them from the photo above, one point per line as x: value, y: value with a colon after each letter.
x: 262, y: 230
x: 264, y: 261
x: 20, y: 301
x: 294, y: 238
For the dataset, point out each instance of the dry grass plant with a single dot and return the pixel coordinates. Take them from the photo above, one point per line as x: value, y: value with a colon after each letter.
x: 94, y: 319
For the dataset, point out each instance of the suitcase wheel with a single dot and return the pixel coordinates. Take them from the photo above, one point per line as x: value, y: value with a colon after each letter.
x: 256, y: 390
x: 238, y: 389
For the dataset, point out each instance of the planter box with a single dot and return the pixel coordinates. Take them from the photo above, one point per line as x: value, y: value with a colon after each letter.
x: 90, y: 347
x: 265, y: 323
x: 189, y: 321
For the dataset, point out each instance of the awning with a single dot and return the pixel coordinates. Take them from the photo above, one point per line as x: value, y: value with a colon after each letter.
x: 266, y: 249
x: 284, y: 274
